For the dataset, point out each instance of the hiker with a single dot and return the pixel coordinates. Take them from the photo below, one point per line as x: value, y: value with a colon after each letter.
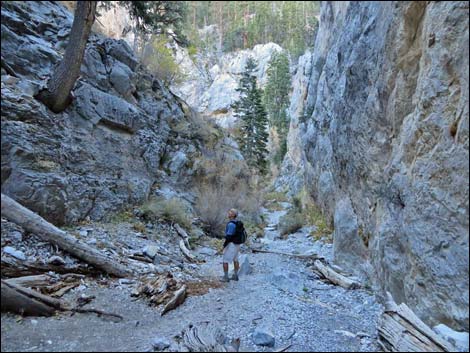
x: 235, y: 235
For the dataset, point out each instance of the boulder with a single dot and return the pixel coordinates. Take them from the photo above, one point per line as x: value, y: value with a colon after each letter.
x: 458, y: 339
x: 160, y: 343
x: 263, y: 337
x: 245, y: 267
x: 15, y: 253
x: 151, y: 251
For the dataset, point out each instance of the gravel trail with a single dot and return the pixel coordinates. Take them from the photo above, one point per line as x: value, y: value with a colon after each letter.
x: 281, y: 296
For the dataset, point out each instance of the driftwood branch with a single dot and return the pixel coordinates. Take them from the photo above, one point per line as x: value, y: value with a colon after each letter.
x: 26, y: 301
x: 12, y: 267
x: 335, y: 277
x: 400, y: 330
x: 186, y: 252
x: 34, y: 223
x: 299, y: 256
x: 182, y: 233
x: 178, y: 298
x: 206, y: 337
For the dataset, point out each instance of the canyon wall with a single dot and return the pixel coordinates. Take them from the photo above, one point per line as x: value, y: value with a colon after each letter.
x: 384, y: 144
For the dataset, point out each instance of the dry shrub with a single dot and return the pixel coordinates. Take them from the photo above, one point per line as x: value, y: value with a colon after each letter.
x: 224, y: 183
x: 172, y: 210
x: 291, y: 222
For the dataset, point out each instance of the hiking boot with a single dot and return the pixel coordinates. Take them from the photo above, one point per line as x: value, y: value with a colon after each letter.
x: 225, y: 279
x: 234, y: 277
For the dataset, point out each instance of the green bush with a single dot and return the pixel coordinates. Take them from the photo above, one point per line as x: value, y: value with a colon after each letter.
x: 172, y: 210
x: 159, y: 59
x: 291, y: 222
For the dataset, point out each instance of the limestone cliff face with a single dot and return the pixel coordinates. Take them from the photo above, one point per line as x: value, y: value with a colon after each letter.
x: 124, y: 137
x: 210, y: 87
x: 386, y: 146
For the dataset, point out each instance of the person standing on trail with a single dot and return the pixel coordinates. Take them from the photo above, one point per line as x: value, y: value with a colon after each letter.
x: 235, y: 235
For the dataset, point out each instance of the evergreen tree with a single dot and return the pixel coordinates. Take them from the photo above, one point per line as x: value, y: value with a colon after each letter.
x: 252, y: 114
x: 276, y: 99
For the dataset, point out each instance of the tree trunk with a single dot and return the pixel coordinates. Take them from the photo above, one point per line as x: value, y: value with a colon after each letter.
x: 57, y: 94
x: 14, y: 301
x: 34, y: 223
x: 335, y: 277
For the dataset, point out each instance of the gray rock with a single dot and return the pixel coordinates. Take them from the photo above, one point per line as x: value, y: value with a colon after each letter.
x: 56, y: 260
x: 458, y: 339
x: 207, y: 251
x: 150, y: 251
x: 16, y: 236
x: 349, y: 250
x: 263, y: 337
x: 15, y: 253
x: 245, y: 267
x: 160, y: 343
x: 380, y: 150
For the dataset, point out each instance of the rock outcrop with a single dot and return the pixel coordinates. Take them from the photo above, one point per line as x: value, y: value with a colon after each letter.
x: 385, y: 147
x: 291, y: 177
x: 124, y: 137
x: 210, y: 87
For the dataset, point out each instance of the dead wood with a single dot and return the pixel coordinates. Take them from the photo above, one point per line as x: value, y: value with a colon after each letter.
x: 34, y: 223
x: 205, y: 337
x: 400, y: 330
x: 335, y: 277
x: 178, y: 298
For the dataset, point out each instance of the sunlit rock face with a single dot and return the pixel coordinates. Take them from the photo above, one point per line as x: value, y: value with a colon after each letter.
x: 385, y: 147
x: 211, y: 82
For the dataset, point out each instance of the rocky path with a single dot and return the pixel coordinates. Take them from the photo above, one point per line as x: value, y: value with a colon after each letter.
x: 280, y: 302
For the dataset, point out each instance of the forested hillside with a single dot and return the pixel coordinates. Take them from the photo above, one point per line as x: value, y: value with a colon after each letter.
x: 243, y: 24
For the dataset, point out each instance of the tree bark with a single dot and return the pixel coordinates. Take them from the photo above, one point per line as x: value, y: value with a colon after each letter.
x: 400, y: 330
x: 14, y: 301
x: 56, y: 95
x: 178, y: 298
x: 335, y: 277
x: 48, y: 232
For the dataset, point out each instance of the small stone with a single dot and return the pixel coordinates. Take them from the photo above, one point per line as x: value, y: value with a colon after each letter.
x: 160, y: 343
x: 34, y: 322
x: 83, y: 233
x: 245, y: 267
x: 345, y: 333
x: 16, y: 236
x: 15, y: 253
x: 49, y: 342
x: 126, y: 281
x: 263, y: 337
x: 91, y: 241
x: 56, y: 260
x: 150, y: 251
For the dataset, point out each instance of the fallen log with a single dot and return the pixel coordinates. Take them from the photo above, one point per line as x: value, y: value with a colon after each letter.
x: 14, y: 301
x: 34, y: 223
x: 300, y: 256
x: 178, y: 298
x: 11, y: 267
x: 186, y: 252
x: 335, y: 277
x: 26, y: 301
x: 182, y: 233
x: 400, y: 330
x: 38, y: 281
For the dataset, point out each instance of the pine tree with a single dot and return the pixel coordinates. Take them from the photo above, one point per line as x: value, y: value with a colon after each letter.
x: 252, y: 114
x: 276, y: 99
